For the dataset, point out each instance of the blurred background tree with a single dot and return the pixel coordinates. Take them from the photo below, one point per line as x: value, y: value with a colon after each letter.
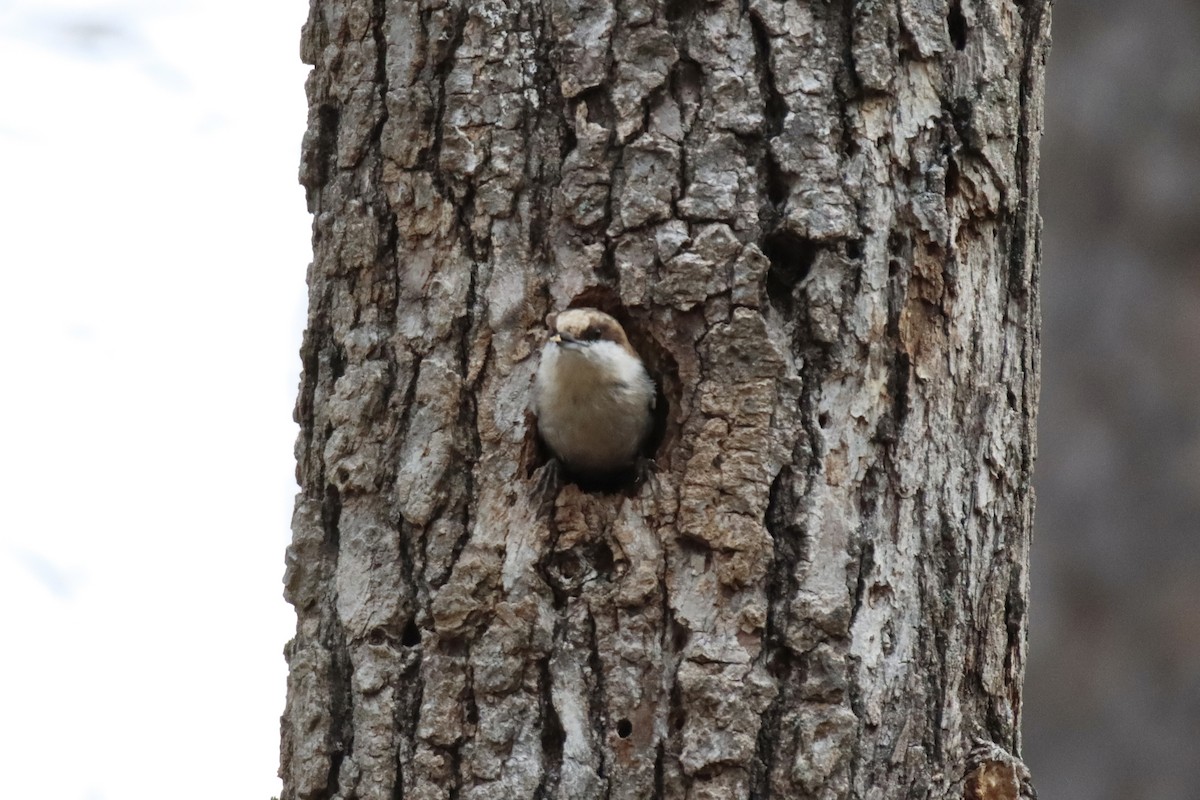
x: 1113, y: 691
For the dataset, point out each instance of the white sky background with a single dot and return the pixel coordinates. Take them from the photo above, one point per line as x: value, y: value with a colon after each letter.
x: 153, y: 247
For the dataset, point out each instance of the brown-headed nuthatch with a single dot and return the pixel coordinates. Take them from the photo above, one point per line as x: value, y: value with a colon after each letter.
x: 593, y: 398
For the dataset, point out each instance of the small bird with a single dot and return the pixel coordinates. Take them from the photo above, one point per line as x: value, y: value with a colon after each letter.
x: 593, y: 398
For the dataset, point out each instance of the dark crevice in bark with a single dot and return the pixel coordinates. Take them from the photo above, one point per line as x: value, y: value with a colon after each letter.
x: 322, y: 156
x: 776, y: 182
x: 775, y: 107
x: 598, y: 701
x: 659, y: 783
x: 936, y: 594
x: 788, y: 541
x: 1034, y: 52
x: 778, y: 188
x: 337, y: 360
x: 1015, y: 612
x: 866, y: 563
x: 341, y: 720
x: 676, y: 719
x: 335, y: 769
x: 899, y: 378
x: 543, y: 182
x: 956, y: 25
x: 410, y: 689
x: 331, y: 512
x: 378, y: 16
x: 456, y: 770
x: 783, y: 667
x: 304, y: 413
x: 553, y: 736
x: 961, y: 113
x: 847, y: 85
x: 675, y: 636
x: 568, y: 143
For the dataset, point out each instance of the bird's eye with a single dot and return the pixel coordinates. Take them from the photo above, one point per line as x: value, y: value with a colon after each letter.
x: 591, y: 334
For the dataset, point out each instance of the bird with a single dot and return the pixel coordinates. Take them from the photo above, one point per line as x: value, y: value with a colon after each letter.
x: 592, y: 396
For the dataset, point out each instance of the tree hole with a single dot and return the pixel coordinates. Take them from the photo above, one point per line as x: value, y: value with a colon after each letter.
x: 624, y: 728
x: 665, y: 374
x: 791, y: 257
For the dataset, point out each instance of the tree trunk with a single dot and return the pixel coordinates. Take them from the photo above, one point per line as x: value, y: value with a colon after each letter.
x: 818, y: 222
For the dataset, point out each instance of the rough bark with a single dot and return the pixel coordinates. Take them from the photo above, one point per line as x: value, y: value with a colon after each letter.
x: 818, y: 221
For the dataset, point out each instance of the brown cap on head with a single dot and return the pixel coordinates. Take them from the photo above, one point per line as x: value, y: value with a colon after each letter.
x: 588, y: 325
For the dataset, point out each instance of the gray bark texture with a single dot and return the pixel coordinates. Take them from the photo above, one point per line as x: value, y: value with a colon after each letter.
x: 818, y: 222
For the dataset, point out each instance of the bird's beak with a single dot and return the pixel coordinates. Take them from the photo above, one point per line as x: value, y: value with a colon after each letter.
x: 556, y: 339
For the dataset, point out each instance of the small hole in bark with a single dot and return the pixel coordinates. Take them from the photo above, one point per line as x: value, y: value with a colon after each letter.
x: 791, y: 258
x: 823, y: 420
x: 1012, y: 400
x: 624, y: 728
x: 377, y: 637
x: 412, y: 635
x: 957, y: 24
x: 893, y: 268
x: 854, y: 249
